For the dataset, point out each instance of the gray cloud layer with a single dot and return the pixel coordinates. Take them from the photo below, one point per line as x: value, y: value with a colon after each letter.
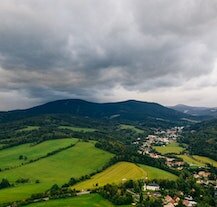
x: 106, y: 50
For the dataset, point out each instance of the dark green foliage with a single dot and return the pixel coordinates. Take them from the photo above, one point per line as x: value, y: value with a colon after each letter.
x: 202, y: 139
x: 116, y: 194
x: 54, y: 189
x: 22, y: 180
x: 127, y: 110
x: 4, y: 183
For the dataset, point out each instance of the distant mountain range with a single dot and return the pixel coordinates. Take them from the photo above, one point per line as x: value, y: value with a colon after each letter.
x: 126, y: 110
x: 196, y: 111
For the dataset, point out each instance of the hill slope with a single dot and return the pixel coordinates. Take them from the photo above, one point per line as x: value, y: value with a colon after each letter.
x: 82, y: 159
x: 127, y: 110
x: 196, y: 111
x: 202, y: 139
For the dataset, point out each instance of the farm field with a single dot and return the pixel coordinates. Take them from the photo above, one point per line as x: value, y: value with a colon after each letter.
x: 170, y: 148
x: 29, y: 128
x: 77, y: 129
x: 91, y: 200
x: 10, y: 157
x: 114, y: 174
x: 131, y: 127
x: 205, y: 160
x: 82, y: 159
x: 123, y: 171
x: 155, y: 173
x: 191, y: 161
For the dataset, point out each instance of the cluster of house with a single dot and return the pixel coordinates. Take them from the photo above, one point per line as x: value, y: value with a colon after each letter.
x: 174, y: 201
x: 170, y: 133
x: 173, y: 162
x: 169, y: 201
x: 161, y: 138
x: 203, y: 178
x: 151, y: 140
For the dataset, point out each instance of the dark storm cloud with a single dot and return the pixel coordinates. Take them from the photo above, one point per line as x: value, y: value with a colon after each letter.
x: 52, y: 49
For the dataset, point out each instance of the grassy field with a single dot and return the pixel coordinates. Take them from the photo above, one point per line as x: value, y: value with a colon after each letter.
x: 10, y: 157
x: 170, y: 148
x: 131, y: 127
x: 123, y: 171
x: 77, y: 129
x: 115, y: 174
x: 205, y: 160
x: 191, y: 161
x: 92, y: 200
x: 29, y: 128
x: 82, y: 159
x: 155, y: 173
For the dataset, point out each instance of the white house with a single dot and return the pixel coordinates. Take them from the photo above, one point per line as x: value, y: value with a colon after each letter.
x: 152, y: 187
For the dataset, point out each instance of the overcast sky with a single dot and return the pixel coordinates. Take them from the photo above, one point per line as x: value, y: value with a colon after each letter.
x: 108, y: 50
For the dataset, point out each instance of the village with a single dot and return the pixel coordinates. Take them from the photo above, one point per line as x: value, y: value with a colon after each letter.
x: 146, y: 146
x: 161, y: 138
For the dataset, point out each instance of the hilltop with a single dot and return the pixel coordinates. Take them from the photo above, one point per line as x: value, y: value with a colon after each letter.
x: 205, y: 112
x: 126, y: 110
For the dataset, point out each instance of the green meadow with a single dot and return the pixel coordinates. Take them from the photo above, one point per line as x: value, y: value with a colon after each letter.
x: 191, y: 161
x: 10, y: 157
x: 121, y: 172
x: 91, y: 200
x: 170, y: 148
x: 29, y: 128
x: 117, y: 173
x: 77, y: 129
x: 205, y: 160
x: 156, y: 173
x: 131, y: 127
x: 82, y: 159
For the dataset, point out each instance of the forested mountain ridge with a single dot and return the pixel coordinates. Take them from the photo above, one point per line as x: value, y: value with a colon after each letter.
x: 126, y: 110
x: 202, y: 138
x: 203, y: 112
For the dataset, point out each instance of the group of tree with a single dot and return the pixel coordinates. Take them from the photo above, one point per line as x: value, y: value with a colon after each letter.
x: 202, y: 139
x: 4, y: 184
x: 118, y: 195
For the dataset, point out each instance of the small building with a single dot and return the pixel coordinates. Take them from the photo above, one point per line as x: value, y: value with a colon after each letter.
x: 152, y: 187
x: 188, y: 203
x: 168, y: 199
x: 169, y: 205
x: 204, y: 174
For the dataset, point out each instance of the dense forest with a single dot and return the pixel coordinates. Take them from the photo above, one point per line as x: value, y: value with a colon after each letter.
x: 202, y: 139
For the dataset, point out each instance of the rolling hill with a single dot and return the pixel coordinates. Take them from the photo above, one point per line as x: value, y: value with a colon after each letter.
x: 202, y: 138
x: 122, y: 171
x: 203, y: 112
x: 126, y: 110
x: 82, y: 159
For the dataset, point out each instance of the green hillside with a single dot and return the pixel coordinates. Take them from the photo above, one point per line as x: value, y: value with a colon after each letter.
x: 82, y: 159
x: 191, y: 161
x: 123, y: 171
x: 10, y: 157
x: 77, y: 129
x: 115, y: 174
x: 170, y: 148
x: 29, y: 128
x: 155, y: 173
x: 131, y: 127
x: 205, y: 160
x: 202, y: 139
